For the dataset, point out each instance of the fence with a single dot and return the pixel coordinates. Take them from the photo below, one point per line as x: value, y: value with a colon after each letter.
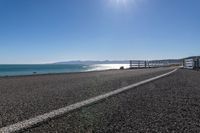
x: 192, y: 63
x: 134, y: 64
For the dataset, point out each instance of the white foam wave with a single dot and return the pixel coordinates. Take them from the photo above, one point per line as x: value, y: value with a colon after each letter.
x: 98, y: 67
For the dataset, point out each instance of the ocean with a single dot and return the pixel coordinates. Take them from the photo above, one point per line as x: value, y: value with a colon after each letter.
x: 16, y: 70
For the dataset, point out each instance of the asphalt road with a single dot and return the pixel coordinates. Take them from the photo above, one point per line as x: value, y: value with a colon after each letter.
x: 25, y: 97
x: 171, y: 104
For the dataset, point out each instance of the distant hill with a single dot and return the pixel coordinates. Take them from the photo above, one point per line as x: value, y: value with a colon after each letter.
x: 94, y: 62
x: 192, y: 57
x: 171, y: 61
x: 114, y: 62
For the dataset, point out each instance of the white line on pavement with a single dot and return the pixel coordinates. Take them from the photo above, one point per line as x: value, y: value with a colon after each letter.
x: 59, y: 112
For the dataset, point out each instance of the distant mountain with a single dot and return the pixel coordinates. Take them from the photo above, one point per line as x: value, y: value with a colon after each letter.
x: 171, y: 61
x: 192, y: 57
x: 88, y: 62
x: 94, y: 62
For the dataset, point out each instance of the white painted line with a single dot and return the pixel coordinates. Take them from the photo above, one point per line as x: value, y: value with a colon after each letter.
x: 55, y: 113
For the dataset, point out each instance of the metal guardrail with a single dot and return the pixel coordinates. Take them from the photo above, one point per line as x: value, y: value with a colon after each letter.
x: 191, y: 63
x: 134, y: 64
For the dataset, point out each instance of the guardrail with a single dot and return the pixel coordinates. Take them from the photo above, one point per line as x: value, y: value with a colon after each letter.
x: 135, y: 64
x: 192, y: 63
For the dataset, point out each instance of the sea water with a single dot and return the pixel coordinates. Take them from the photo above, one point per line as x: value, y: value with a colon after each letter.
x: 15, y: 70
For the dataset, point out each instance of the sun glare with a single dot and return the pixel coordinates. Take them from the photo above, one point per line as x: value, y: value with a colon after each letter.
x: 120, y: 2
x: 123, y: 3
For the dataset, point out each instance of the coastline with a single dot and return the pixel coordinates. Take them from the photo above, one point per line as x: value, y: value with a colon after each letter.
x: 59, y: 73
x: 46, y: 69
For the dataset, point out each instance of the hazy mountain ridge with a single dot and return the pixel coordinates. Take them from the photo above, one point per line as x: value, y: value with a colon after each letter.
x: 93, y: 62
x: 192, y: 57
x: 90, y: 62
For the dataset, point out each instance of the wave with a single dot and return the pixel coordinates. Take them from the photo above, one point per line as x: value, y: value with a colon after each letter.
x: 98, y: 67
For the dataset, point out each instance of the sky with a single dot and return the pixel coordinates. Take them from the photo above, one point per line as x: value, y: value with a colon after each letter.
x: 45, y: 31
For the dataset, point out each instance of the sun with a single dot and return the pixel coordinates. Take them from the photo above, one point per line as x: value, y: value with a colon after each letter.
x: 124, y: 4
x: 120, y: 2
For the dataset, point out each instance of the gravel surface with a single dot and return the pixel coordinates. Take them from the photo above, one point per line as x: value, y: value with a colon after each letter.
x: 170, y: 104
x: 28, y: 96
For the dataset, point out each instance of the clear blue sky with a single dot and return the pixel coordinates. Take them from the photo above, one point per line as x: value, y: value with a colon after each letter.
x: 43, y: 31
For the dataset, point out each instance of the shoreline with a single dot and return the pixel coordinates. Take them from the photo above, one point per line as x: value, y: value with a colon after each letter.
x: 61, y: 73
x: 50, y: 69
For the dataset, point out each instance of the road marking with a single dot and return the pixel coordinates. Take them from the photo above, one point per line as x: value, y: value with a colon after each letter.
x: 20, y: 126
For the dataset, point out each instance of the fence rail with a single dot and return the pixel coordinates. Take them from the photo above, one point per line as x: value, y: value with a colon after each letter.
x: 192, y: 63
x: 134, y: 64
